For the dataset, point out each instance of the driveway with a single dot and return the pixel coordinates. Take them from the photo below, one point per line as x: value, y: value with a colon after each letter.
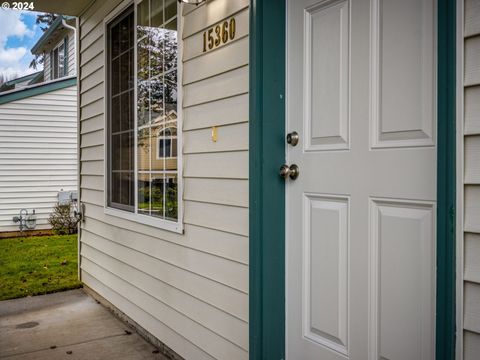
x: 68, y: 325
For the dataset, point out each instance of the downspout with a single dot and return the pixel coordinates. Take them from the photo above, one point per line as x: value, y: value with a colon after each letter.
x: 79, y: 195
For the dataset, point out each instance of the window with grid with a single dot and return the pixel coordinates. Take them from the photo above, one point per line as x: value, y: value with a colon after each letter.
x: 58, y: 66
x: 142, y: 111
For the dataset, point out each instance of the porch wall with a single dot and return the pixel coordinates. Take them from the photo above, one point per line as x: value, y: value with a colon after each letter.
x: 471, y: 274
x: 38, y: 154
x: 190, y: 291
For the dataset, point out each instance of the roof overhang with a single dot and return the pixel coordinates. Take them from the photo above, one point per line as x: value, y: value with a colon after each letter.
x: 64, y: 7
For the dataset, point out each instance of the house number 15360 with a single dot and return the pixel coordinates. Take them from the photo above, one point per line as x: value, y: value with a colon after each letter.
x: 219, y: 34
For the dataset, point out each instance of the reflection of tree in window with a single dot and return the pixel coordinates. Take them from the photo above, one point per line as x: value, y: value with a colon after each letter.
x: 157, y: 55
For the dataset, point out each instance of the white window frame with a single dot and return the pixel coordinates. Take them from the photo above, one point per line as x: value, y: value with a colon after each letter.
x: 169, y: 225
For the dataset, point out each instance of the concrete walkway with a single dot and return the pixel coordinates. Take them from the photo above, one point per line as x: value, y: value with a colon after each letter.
x: 68, y: 325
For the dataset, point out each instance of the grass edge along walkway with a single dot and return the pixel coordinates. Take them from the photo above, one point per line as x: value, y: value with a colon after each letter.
x: 38, y: 265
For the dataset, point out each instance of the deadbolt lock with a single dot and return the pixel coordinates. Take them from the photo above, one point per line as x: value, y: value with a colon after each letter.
x: 291, y: 171
x: 292, y: 138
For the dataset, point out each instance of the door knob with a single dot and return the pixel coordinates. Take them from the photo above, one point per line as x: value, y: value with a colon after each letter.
x: 291, y: 171
x: 292, y: 138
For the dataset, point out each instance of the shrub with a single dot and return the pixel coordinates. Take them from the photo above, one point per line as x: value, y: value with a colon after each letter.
x: 62, y: 220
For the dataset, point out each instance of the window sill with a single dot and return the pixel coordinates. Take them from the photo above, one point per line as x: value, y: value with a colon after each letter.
x: 172, y: 226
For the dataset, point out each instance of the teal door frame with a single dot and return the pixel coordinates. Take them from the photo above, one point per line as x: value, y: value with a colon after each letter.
x: 267, y: 191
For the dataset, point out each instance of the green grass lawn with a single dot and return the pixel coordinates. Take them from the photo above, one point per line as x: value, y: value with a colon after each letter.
x: 37, y: 265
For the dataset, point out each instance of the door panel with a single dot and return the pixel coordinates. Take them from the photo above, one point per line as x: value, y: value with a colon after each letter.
x: 325, y: 270
x: 360, y: 231
x: 326, y: 76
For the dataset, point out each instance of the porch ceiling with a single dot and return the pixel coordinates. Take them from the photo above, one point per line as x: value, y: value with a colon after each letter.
x: 63, y: 7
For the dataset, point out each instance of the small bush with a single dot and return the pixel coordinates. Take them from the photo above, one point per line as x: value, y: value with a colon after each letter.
x: 62, y: 220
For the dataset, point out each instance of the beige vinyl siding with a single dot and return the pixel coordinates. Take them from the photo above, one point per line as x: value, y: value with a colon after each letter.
x: 471, y: 275
x: 38, y: 154
x: 189, y: 290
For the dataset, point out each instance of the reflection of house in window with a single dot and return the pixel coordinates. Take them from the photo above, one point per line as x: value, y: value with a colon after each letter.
x: 167, y: 143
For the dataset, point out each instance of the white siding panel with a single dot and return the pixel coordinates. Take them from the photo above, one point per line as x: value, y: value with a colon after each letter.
x: 471, y: 347
x: 216, y: 113
x: 219, y: 322
x: 229, y: 138
x: 472, y: 61
x: 47, y: 67
x: 228, y: 57
x: 472, y: 17
x: 218, y: 87
x: 219, y: 217
x: 472, y: 307
x: 225, y: 298
x: 190, y: 290
x: 72, y: 66
x: 471, y: 164
x: 217, y: 191
x: 226, y: 165
x: 472, y: 110
x: 472, y: 159
x: 472, y: 208
x: 472, y: 258
x: 38, y: 158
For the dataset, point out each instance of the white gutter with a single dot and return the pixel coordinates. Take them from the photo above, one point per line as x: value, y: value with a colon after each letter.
x: 64, y: 23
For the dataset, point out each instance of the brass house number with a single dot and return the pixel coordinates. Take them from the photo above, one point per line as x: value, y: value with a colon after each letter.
x: 219, y: 34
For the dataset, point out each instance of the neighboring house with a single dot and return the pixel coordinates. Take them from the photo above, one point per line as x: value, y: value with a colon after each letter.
x: 351, y: 254
x: 38, y: 132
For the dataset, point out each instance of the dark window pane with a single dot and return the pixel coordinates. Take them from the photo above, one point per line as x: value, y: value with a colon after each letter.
x: 115, y: 188
x: 124, y: 71
x: 125, y: 181
x: 125, y: 34
x: 120, y: 70
x: 115, y: 40
x: 157, y: 195
x: 115, y: 87
x: 125, y: 111
x: 115, y: 114
x: 126, y: 150
x: 115, y: 151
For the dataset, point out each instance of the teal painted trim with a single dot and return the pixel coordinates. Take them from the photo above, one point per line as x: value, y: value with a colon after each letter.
x: 267, y: 190
x: 446, y: 180
x: 37, y: 90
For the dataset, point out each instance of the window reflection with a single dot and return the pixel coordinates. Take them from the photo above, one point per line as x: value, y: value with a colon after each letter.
x: 157, y: 108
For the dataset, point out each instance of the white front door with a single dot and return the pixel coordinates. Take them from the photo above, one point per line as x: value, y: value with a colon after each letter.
x: 360, y: 231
